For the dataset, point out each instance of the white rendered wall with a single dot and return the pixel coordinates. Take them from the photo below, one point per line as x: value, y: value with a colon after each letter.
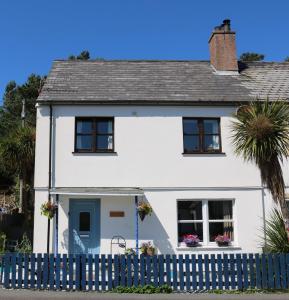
x: 149, y: 146
x: 149, y: 150
x: 161, y: 227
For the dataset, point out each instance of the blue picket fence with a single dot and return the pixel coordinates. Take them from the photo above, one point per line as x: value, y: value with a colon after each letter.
x: 181, y: 272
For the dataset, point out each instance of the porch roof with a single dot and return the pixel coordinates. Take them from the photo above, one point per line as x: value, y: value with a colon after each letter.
x: 98, y: 191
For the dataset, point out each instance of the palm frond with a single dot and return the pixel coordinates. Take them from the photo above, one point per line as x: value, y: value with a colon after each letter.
x: 275, y: 240
x: 260, y: 134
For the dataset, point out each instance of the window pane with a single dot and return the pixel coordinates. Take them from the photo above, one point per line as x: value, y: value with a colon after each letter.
x: 220, y: 210
x: 221, y: 228
x: 84, y: 126
x: 191, y: 143
x: 190, y: 210
x: 84, y: 221
x: 211, y: 126
x: 212, y: 143
x: 191, y: 126
x: 104, y: 126
x: 104, y: 142
x: 190, y: 228
x: 84, y: 142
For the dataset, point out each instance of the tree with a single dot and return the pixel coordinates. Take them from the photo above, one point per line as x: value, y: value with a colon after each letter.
x: 10, y: 113
x: 17, y: 154
x: 251, y: 56
x: 84, y: 55
x: 286, y: 59
x: 11, y: 136
x: 260, y: 134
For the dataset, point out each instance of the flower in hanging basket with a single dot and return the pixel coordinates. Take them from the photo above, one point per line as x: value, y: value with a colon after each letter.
x: 48, y: 209
x: 147, y: 249
x: 191, y: 240
x: 144, y: 209
x: 222, y: 240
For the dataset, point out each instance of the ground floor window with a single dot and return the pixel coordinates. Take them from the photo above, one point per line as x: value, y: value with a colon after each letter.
x: 205, y: 218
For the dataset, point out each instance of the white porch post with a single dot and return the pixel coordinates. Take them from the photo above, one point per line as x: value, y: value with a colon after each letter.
x: 136, y: 225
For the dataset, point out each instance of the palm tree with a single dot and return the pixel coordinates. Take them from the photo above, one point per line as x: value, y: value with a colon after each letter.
x: 17, y: 154
x: 260, y: 134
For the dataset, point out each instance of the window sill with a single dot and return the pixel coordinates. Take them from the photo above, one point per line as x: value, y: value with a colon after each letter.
x: 204, y: 153
x: 208, y: 248
x: 95, y: 153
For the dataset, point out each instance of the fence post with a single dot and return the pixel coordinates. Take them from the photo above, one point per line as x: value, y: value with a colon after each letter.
x: 7, y: 271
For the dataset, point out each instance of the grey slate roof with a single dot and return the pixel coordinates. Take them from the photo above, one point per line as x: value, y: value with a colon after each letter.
x: 161, y: 82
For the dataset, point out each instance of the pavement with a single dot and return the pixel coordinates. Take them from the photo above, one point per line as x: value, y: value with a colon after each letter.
x: 43, y: 295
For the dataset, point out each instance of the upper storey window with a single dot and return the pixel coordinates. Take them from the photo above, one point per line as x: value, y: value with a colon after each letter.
x: 94, y: 134
x: 201, y: 135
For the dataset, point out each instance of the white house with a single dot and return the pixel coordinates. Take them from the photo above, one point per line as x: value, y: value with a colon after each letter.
x: 113, y: 133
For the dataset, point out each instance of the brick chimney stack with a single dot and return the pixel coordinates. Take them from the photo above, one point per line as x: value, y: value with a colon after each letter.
x: 223, y: 54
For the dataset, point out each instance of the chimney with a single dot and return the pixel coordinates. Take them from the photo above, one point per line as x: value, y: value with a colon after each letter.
x: 223, y: 54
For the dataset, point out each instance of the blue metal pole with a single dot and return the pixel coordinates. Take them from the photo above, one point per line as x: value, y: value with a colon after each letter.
x: 136, y: 224
x: 56, y: 227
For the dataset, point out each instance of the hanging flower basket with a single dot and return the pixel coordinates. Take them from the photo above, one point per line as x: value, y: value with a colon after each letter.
x: 223, y: 240
x: 148, y: 249
x: 48, y: 209
x: 144, y: 209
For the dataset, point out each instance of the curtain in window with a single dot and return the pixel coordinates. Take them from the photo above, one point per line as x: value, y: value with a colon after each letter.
x: 228, y: 226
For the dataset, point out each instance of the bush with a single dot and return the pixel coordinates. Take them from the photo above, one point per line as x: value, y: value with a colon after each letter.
x: 276, y: 240
x: 24, y: 246
x: 2, y: 242
x: 146, y: 289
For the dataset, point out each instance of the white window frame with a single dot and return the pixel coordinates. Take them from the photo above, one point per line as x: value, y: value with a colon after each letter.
x: 205, y: 220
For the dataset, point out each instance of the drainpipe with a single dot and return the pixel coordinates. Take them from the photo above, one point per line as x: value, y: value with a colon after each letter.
x: 264, y: 215
x: 49, y: 174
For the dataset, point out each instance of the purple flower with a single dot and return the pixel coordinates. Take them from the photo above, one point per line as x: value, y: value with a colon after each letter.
x: 222, y: 239
x: 191, y: 239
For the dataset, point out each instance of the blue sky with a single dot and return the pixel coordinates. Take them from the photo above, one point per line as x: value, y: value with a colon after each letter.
x: 35, y: 32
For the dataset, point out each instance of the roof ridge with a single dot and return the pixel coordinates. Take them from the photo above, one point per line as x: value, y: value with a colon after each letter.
x: 127, y: 60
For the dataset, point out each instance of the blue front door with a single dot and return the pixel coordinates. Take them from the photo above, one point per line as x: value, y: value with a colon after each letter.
x: 84, y: 226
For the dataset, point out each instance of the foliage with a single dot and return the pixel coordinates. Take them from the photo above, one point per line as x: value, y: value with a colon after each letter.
x: 260, y: 134
x: 145, y: 207
x: 84, y: 55
x: 146, y: 289
x: 17, y: 145
x: 24, y: 246
x: 251, y: 56
x: 17, y: 150
x: 275, y: 236
x: 48, y: 209
x: 147, y: 248
x: 10, y: 113
x: 2, y: 242
x: 286, y: 59
x: 129, y: 251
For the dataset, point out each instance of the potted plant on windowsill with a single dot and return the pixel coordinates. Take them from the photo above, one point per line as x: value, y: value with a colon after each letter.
x: 148, y: 249
x: 191, y: 240
x: 48, y: 209
x: 222, y: 240
x: 144, y: 209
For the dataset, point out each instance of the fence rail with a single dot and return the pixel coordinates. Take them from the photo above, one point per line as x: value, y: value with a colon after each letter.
x: 181, y: 272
